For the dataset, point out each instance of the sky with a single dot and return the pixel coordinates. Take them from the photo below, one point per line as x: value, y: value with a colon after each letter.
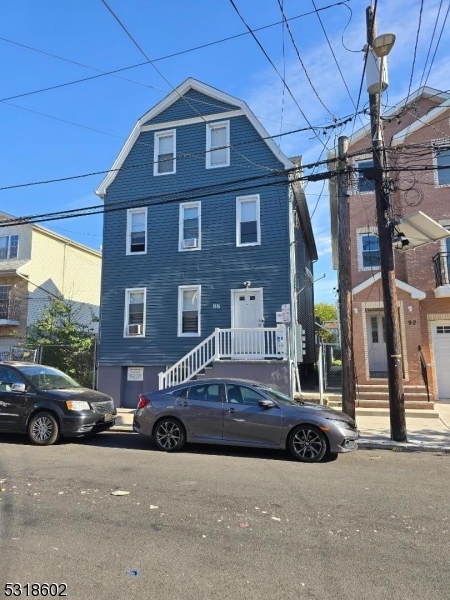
x: 81, y: 128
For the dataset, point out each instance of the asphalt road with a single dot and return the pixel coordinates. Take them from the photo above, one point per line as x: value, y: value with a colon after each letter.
x: 222, y: 523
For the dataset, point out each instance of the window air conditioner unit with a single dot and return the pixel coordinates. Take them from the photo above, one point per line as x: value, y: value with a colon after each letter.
x: 134, y: 329
x: 190, y: 243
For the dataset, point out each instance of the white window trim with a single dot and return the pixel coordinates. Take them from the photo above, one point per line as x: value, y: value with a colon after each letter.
x: 180, y: 226
x: 360, y: 233
x: 128, y: 291
x: 436, y: 144
x: 239, y: 201
x: 445, y: 223
x: 363, y: 158
x: 159, y: 134
x: 131, y: 211
x: 209, y: 128
x: 181, y: 289
x: 8, y: 246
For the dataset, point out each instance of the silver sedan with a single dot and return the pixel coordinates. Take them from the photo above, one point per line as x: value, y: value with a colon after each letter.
x: 242, y: 413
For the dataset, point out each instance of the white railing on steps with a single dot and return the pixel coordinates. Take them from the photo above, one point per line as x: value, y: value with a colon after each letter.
x: 256, y: 343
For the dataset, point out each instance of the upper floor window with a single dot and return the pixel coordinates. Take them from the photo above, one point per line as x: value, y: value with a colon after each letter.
x: 137, y: 231
x: 165, y: 149
x: 248, y: 229
x: 135, y: 302
x: 189, y: 310
x: 217, y: 145
x: 190, y: 226
x: 363, y: 184
x: 443, y: 163
x: 370, y: 251
x: 9, y: 247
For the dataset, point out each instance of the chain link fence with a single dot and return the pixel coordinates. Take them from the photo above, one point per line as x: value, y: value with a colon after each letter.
x: 79, y: 364
x: 19, y: 353
x: 332, y: 366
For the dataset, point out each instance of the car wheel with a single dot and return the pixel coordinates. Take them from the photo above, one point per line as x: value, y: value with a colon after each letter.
x: 169, y: 435
x: 43, y: 429
x: 308, y: 444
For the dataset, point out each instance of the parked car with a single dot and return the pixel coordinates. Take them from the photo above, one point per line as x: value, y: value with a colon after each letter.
x: 46, y: 403
x: 242, y: 413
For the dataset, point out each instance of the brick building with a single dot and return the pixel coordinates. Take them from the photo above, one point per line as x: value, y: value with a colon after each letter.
x: 417, y: 134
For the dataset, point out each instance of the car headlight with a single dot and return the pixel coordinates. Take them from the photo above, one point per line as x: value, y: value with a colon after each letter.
x: 339, y: 423
x: 77, y: 405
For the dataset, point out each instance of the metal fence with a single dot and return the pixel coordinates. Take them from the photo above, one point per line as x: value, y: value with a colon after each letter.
x: 79, y: 364
x: 331, y: 366
x: 18, y: 353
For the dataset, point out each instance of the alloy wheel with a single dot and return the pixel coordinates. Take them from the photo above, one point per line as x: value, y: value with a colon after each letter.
x: 307, y: 444
x: 42, y: 429
x: 168, y: 435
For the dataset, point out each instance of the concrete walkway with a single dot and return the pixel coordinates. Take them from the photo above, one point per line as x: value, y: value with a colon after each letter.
x: 424, y: 434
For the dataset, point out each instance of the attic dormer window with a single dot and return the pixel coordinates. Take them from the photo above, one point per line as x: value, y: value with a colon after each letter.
x: 217, y: 145
x: 9, y: 247
x: 164, y: 157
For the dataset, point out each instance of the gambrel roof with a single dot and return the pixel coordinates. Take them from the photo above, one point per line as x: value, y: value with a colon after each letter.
x: 236, y: 108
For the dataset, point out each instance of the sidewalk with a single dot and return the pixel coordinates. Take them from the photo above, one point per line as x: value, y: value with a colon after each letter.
x: 424, y: 434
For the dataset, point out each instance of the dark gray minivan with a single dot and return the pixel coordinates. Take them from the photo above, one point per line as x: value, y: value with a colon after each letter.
x: 45, y: 403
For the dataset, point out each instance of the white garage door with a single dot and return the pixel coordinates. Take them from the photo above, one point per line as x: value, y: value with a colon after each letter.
x: 441, y: 345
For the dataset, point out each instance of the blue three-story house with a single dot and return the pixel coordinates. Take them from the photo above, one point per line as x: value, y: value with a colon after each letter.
x: 207, y: 251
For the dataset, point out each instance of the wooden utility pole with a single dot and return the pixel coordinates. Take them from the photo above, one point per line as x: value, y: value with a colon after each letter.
x: 345, y: 286
x: 385, y: 237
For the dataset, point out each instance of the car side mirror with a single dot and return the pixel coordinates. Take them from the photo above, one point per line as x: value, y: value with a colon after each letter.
x: 18, y: 387
x: 266, y: 404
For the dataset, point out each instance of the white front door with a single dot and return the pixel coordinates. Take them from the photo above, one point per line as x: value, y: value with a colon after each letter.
x: 441, y: 347
x: 248, y: 315
x: 376, y: 343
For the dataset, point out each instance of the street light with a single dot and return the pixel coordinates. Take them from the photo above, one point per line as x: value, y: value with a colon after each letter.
x: 383, y: 44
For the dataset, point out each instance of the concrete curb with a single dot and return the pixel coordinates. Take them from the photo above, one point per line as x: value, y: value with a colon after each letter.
x: 401, y: 446
x: 122, y: 428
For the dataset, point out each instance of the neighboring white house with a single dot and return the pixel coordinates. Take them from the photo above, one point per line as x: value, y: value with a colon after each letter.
x: 37, y: 264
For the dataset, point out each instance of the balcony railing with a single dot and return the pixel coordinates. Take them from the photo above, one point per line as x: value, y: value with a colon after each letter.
x: 442, y: 268
x: 9, y: 310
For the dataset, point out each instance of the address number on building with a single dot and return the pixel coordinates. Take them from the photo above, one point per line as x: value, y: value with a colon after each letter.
x: 216, y: 305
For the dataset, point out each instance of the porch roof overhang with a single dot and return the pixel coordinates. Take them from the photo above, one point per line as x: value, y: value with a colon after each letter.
x: 415, y: 293
x: 10, y: 268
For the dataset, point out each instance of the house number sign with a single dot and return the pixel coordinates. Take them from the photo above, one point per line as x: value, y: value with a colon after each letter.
x: 216, y: 305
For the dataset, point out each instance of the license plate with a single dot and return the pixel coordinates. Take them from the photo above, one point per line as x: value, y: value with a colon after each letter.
x: 108, y: 418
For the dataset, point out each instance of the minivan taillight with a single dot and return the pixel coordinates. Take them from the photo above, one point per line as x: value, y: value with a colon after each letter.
x: 143, y: 401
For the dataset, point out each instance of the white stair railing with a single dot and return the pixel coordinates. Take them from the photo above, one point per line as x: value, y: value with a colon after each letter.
x: 191, y: 364
x: 238, y: 344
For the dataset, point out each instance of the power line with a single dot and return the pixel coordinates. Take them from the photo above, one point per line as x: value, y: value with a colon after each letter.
x: 415, y: 51
x: 431, y: 43
x: 178, y: 157
x: 182, y: 97
x: 301, y: 61
x: 194, y: 193
x: 272, y: 64
x: 332, y: 52
x: 437, y: 44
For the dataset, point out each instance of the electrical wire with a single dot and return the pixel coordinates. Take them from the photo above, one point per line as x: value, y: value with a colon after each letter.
x: 431, y: 43
x: 273, y: 65
x: 301, y: 61
x: 178, y: 157
x: 437, y: 45
x: 181, y: 96
x: 415, y: 52
x: 334, y: 55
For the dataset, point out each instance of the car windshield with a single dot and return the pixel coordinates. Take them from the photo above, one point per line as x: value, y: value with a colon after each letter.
x: 278, y: 396
x: 47, y: 378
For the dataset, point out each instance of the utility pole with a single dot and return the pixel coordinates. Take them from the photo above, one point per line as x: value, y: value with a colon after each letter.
x: 345, y: 287
x: 383, y: 205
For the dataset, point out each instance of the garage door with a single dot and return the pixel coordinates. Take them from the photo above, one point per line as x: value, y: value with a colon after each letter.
x: 441, y: 345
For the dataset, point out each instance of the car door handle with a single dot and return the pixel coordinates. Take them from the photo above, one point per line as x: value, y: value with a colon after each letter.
x: 183, y: 403
x: 231, y: 410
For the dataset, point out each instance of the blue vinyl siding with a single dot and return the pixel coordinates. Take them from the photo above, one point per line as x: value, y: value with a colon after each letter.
x: 195, y: 104
x: 218, y: 267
